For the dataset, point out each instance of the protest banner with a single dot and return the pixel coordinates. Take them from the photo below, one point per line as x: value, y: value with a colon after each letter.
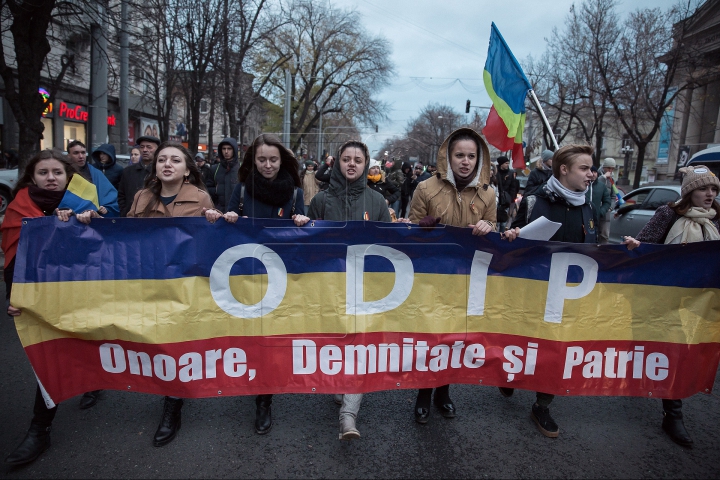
x: 187, y: 308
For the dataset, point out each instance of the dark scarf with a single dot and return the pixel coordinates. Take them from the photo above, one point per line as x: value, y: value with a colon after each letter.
x: 227, y: 164
x: 461, y: 183
x: 47, y: 200
x: 275, y: 193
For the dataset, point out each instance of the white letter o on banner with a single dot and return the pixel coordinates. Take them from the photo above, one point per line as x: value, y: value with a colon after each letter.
x: 220, y: 280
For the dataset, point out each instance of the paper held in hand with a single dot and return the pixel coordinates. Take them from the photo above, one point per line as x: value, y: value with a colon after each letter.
x: 540, y: 229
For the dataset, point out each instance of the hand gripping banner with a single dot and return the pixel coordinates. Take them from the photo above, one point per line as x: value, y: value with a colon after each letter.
x: 186, y: 308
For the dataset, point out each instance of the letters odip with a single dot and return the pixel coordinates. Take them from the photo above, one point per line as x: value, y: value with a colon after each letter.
x: 411, y: 355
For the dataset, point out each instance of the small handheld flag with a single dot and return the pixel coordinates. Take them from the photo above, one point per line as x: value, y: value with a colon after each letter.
x: 80, y: 195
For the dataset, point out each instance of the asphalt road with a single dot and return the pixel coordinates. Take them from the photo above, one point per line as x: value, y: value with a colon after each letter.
x: 491, y: 437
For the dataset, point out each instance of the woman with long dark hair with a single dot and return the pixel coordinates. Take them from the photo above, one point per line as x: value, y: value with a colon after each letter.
x: 693, y: 218
x: 269, y: 187
x: 38, y: 193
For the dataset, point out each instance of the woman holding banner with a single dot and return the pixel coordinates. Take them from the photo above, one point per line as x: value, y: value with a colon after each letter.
x: 693, y: 218
x: 38, y: 193
x: 268, y: 187
x: 175, y: 188
x: 348, y: 198
x: 457, y: 195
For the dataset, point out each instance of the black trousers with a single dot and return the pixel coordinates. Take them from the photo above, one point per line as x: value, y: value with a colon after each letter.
x: 42, y: 416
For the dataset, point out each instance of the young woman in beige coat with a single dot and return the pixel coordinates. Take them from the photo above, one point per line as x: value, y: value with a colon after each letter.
x: 459, y: 195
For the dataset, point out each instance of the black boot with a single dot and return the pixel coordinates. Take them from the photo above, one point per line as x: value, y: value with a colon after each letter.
x: 443, y: 402
x: 263, y: 414
x: 170, y: 422
x: 33, y: 445
x: 37, y: 439
x: 673, y: 423
x: 89, y: 399
x: 422, y: 405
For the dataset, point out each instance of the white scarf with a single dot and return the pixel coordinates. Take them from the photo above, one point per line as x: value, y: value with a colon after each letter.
x: 694, y: 226
x: 573, y: 198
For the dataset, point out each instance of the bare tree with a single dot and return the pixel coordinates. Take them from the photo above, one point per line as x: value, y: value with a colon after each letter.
x: 336, y: 67
x: 639, y: 83
x: 33, y: 26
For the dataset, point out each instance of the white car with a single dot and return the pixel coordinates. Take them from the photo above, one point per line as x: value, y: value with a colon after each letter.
x: 8, y: 180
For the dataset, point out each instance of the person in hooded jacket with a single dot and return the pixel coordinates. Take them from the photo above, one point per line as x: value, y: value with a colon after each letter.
x: 397, y: 178
x: 105, y: 161
x: 459, y: 194
x: 408, y: 188
x: 348, y: 198
x: 225, y: 174
x: 376, y: 181
x: 541, y: 173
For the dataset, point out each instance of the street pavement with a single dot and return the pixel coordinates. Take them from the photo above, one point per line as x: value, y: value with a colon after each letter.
x: 492, y: 436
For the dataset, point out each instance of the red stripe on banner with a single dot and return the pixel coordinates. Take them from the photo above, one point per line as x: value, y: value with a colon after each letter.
x: 518, y: 157
x: 496, y: 132
x: 372, y: 362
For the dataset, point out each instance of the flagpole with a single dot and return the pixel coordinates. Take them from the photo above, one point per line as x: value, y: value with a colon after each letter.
x: 545, y: 120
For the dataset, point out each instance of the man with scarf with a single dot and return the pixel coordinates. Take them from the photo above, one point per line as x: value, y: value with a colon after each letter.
x: 561, y: 199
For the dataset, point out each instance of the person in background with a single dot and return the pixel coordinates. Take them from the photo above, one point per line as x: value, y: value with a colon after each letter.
x: 348, y: 198
x: 397, y: 178
x: 693, y: 218
x: 134, y: 175
x: 205, y: 171
x: 225, y: 173
x: 107, y: 194
x: 37, y: 194
x: 598, y: 194
x: 311, y: 185
x: 541, y: 173
x: 420, y: 172
x: 507, y: 191
x: 407, y: 189
x: 324, y: 172
x: 105, y: 161
x: 608, y: 168
x: 459, y: 196
x: 561, y: 199
x: 376, y: 181
x: 135, y: 154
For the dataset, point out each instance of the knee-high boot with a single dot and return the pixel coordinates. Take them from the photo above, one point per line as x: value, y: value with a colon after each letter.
x: 673, y: 423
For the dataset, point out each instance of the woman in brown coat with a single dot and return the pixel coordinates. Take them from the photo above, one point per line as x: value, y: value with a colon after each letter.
x: 175, y: 188
x: 459, y: 195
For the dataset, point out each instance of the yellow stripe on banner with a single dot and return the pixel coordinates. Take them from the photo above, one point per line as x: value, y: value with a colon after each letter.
x: 177, y: 310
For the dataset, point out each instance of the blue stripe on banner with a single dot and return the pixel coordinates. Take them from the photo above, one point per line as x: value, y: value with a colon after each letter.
x: 127, y: 248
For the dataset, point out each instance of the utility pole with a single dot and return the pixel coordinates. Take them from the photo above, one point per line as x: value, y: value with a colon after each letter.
x: 98, y: 81
x: 124, y: 73
x: 320, y: 138
x: 286, y: 119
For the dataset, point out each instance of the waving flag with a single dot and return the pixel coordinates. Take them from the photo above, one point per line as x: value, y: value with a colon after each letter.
x: 507, y: 86
x: 80, y: 195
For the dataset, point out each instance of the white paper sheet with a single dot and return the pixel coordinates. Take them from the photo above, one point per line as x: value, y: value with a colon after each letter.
x: 540, y: 229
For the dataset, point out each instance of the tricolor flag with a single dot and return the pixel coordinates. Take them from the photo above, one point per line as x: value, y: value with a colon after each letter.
x: 80, y: 195
x: 507, y: 86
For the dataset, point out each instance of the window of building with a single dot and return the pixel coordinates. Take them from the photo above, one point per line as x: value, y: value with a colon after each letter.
x: 203, y: 129
x: 203, y: 106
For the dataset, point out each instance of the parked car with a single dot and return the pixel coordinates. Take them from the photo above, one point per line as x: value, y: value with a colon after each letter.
x: 639, y: 207
x: 8, y: 180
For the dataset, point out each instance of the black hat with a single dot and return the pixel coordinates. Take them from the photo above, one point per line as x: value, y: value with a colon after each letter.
x: 148, y: 138
x: 502, y: 161
x: 593, y: 168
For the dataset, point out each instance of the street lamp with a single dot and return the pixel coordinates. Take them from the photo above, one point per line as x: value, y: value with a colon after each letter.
x: 627, y: 150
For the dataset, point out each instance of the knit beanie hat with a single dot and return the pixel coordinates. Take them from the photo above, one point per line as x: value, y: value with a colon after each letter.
x: 697, y: 176
x: 502, y: 161
x: 547, y: 155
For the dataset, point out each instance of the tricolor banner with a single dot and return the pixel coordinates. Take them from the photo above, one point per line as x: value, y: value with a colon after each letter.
x: 187, y: 308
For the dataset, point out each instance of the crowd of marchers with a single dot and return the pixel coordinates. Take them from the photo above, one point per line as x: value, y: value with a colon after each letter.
x: 465, y: 188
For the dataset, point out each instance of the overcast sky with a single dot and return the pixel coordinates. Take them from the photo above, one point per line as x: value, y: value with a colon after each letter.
x: 434, y: 42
